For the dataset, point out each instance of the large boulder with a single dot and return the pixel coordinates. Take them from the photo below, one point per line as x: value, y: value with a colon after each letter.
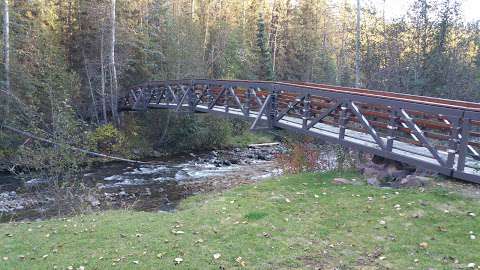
x: 412, y: 181
x: 373, y: 181
x: 383, y: 172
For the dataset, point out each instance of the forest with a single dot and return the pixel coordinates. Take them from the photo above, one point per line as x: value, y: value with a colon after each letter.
x: 67, y: 62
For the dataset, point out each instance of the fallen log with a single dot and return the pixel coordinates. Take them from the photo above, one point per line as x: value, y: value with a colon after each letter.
x: 73, y: 148
x: 260, y: 145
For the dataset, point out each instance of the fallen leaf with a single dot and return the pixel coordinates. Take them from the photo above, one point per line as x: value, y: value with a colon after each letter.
x: 442, y: 229
x: 240, y: 261
x: 423, y: 245
x: 287, y: 200
x: 216, y: 256
x: 136, y: 262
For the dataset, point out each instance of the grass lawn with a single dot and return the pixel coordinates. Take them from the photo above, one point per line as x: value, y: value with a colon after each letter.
x: 295, y: 222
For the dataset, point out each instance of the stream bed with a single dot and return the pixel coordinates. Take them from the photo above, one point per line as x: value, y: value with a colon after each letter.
x: 148, y: 187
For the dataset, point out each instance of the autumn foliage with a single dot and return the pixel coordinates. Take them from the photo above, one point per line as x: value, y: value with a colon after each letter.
x: 300, y: 157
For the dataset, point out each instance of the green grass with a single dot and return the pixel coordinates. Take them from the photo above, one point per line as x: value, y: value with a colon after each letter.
x: 295, y: 222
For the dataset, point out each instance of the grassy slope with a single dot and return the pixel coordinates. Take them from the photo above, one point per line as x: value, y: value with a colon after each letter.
x: 278, y: 224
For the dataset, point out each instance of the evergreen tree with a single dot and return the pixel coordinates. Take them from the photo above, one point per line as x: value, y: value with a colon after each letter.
x: 265, y: 71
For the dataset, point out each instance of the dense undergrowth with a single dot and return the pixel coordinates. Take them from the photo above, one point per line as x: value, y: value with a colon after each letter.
x: 150, y: 135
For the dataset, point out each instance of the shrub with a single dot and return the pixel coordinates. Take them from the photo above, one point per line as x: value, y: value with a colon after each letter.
x: 108, y: 139
x: 300, y: 157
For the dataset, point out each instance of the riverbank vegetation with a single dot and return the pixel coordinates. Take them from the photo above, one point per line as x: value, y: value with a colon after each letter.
x: 294, y: 222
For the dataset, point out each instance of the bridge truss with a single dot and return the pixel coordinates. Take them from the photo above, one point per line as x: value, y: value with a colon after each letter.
x: 436, y: 134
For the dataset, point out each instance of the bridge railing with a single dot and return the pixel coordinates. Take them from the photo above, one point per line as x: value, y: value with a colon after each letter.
x: 438, y: 134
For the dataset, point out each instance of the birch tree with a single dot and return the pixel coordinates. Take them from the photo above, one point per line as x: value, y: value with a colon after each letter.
x: 6, y: 44
x: 357, y: 48
x: 114, y: 86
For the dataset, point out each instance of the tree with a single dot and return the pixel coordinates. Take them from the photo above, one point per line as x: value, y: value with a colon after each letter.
x: 6, y: 44
x: 113, y: 69
x: 357, y: 47
x: 265, y: 71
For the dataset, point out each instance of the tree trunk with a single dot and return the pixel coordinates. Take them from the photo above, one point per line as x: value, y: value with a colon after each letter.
x: 102, y: 70
x: 114, y: 97
x: 357, y: 48
x: 273, y: 35
x: 207, y: 33
x: 90, y: 87
x: 6, y: 44
x: 193, y: 10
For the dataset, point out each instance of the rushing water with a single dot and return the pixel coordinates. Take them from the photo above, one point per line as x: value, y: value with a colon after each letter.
x: 147, y: 187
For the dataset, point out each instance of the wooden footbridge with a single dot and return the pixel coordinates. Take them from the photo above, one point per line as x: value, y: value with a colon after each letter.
x: 436, y: 134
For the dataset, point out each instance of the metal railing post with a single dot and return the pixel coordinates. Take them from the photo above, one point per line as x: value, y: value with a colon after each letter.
x: 453, y: 142
x: 272, y: 109
x: 343, y: 120
x: 392, y: 129
x: 248, y: 102
x: 306, y: 111
x: 463, y: 145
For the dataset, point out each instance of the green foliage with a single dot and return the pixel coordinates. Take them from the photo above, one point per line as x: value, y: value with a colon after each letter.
x: 168, y: 132
x: 265, y: 71
x: 109, y: 140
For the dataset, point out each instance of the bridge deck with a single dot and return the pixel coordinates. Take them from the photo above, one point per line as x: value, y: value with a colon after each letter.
x: 438, y: 136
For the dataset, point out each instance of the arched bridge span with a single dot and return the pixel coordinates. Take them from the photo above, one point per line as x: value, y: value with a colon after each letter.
x: 437, y: 134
